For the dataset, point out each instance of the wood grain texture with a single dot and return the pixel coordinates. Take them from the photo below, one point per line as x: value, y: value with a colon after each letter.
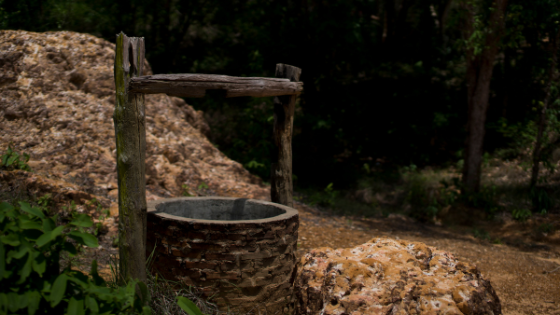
x: 130, y: 136
x: 281, y: 190
x: 196, y: 85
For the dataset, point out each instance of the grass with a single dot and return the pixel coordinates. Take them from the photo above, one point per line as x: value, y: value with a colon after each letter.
x: 164, y: 293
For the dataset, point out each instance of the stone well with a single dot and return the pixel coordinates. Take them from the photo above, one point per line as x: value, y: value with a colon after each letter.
x: 239, y: 251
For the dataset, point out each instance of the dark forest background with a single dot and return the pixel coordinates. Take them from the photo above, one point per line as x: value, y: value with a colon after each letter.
x: 385, y: 82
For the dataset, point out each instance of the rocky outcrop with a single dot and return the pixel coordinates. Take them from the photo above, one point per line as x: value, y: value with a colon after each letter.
x: 56, y: 103
x: 386, y: 276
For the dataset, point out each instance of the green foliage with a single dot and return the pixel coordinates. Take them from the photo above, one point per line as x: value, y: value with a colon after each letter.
x: 540, y: 199
x: 12, y: 160
x: 521, y: 214
x: 427, y: 196
x: 31, y: 278
x: 481, y: 234
x: 326, y: 198
x: 102, y: 214
x: 486, y: 198
x: 186, y: 192
x: 188, y: 306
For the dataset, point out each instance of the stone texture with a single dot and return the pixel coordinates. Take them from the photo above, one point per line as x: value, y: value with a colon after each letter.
x: 56, y: 103
x: 246, y: 266
x: 386, y: 276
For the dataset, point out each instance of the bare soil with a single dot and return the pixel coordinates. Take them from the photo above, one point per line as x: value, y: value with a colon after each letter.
x: 524, y: 269
x: 522, y: 262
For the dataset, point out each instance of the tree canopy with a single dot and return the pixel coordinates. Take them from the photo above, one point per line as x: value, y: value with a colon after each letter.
x: 384, y: 81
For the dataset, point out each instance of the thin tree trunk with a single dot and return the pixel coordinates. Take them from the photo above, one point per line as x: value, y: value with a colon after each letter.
x: 130, y: 136
x: 542, y: 121
x: 479, y: 75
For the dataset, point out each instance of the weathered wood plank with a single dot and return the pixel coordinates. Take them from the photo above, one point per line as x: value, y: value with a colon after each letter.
x: 130, y: 136
x: 281, y: 190
x: 196, y: 85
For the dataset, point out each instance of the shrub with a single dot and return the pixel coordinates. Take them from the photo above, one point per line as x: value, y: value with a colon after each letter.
x: 521, y: 214
x: 11, y: 160
x: 32, y: 280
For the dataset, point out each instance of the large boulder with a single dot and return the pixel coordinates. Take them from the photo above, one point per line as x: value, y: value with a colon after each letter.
x: 56, y: 103
x: 386, y: 276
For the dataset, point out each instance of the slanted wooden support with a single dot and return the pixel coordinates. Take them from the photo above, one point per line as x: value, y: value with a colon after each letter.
x: 131, y: 150
x: 195, y: 85
x: 281, y: 190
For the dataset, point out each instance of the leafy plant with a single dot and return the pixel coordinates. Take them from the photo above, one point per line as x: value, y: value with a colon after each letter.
x: 12, y: 160
x: 31, y: 279
x: 102, y: 214
x: 521, y: 214
x: 186, y: 192
x: 485, y: 198
x: 326, y: 198
x: 540, y: 200
x: 481, y: 234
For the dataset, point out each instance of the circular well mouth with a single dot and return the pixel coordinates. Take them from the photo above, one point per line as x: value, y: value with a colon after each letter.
x: 218, y: 208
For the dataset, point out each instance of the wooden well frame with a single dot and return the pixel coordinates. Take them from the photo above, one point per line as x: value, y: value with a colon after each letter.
x: 130, y: 133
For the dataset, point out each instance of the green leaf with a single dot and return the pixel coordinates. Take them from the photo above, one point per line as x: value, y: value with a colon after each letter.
x: 3, y: 303
x: 10, y: 239
x: 58, y: 289
x: 39, y: 264
x: 13, y: 302
x: 27, y: 224
x: 5, y: 159
x: 17, y: 253
x: 82, y: 220
x: 5, y: 207
x: 26, y: 270
x: 144, y: 293
x: 188, y: 306
x: 48, y: 224
x: 75, y: 307
x: 2, y: 262
x: 146, y: 310
x: 70, y: 248
x: 49, y: 236
x: 33, y: 299
x: 12, y: 159
x: 26, y: 157
x: 91, y: 304
x: 31, y: 210
x: 84, y: 239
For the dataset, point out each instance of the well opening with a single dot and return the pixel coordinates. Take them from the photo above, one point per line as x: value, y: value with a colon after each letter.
x: 219, y: 209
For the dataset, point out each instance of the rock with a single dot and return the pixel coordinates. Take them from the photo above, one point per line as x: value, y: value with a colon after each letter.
x: 56, y: 103
x: 385, y: 276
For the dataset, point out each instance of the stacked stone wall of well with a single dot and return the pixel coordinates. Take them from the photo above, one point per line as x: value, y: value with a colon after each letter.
x: 246, y: 267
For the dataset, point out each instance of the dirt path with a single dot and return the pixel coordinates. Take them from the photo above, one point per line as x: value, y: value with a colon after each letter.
x: 519, y: 274
x: 524, y: 273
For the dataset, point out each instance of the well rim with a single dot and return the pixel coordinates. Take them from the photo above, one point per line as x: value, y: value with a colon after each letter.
x: 289, y: 211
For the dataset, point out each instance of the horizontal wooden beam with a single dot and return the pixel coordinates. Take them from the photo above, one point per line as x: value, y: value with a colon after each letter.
x: 196, y: 85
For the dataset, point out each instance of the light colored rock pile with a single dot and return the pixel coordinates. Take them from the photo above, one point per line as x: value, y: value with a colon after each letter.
x: 56, y: 103
x: 386, y: 276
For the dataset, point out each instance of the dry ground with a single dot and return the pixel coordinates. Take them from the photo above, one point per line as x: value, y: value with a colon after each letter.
x: 525, y: 273
x: 524, y: 269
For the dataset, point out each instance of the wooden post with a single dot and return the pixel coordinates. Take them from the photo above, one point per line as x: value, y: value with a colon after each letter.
x: 281, y: 190
x: 130, y: 135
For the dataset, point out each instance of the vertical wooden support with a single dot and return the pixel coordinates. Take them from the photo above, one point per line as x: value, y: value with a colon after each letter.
x: 131, y: 150
x: 281, y: 190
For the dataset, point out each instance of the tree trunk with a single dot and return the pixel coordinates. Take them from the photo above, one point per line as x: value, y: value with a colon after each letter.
x: 479, y: 73
x: 281, y: 190
x: 130, y: 136
x: 542, y: 122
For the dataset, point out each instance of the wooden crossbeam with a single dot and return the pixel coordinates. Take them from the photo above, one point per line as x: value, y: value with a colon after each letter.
x: 196, y: 85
